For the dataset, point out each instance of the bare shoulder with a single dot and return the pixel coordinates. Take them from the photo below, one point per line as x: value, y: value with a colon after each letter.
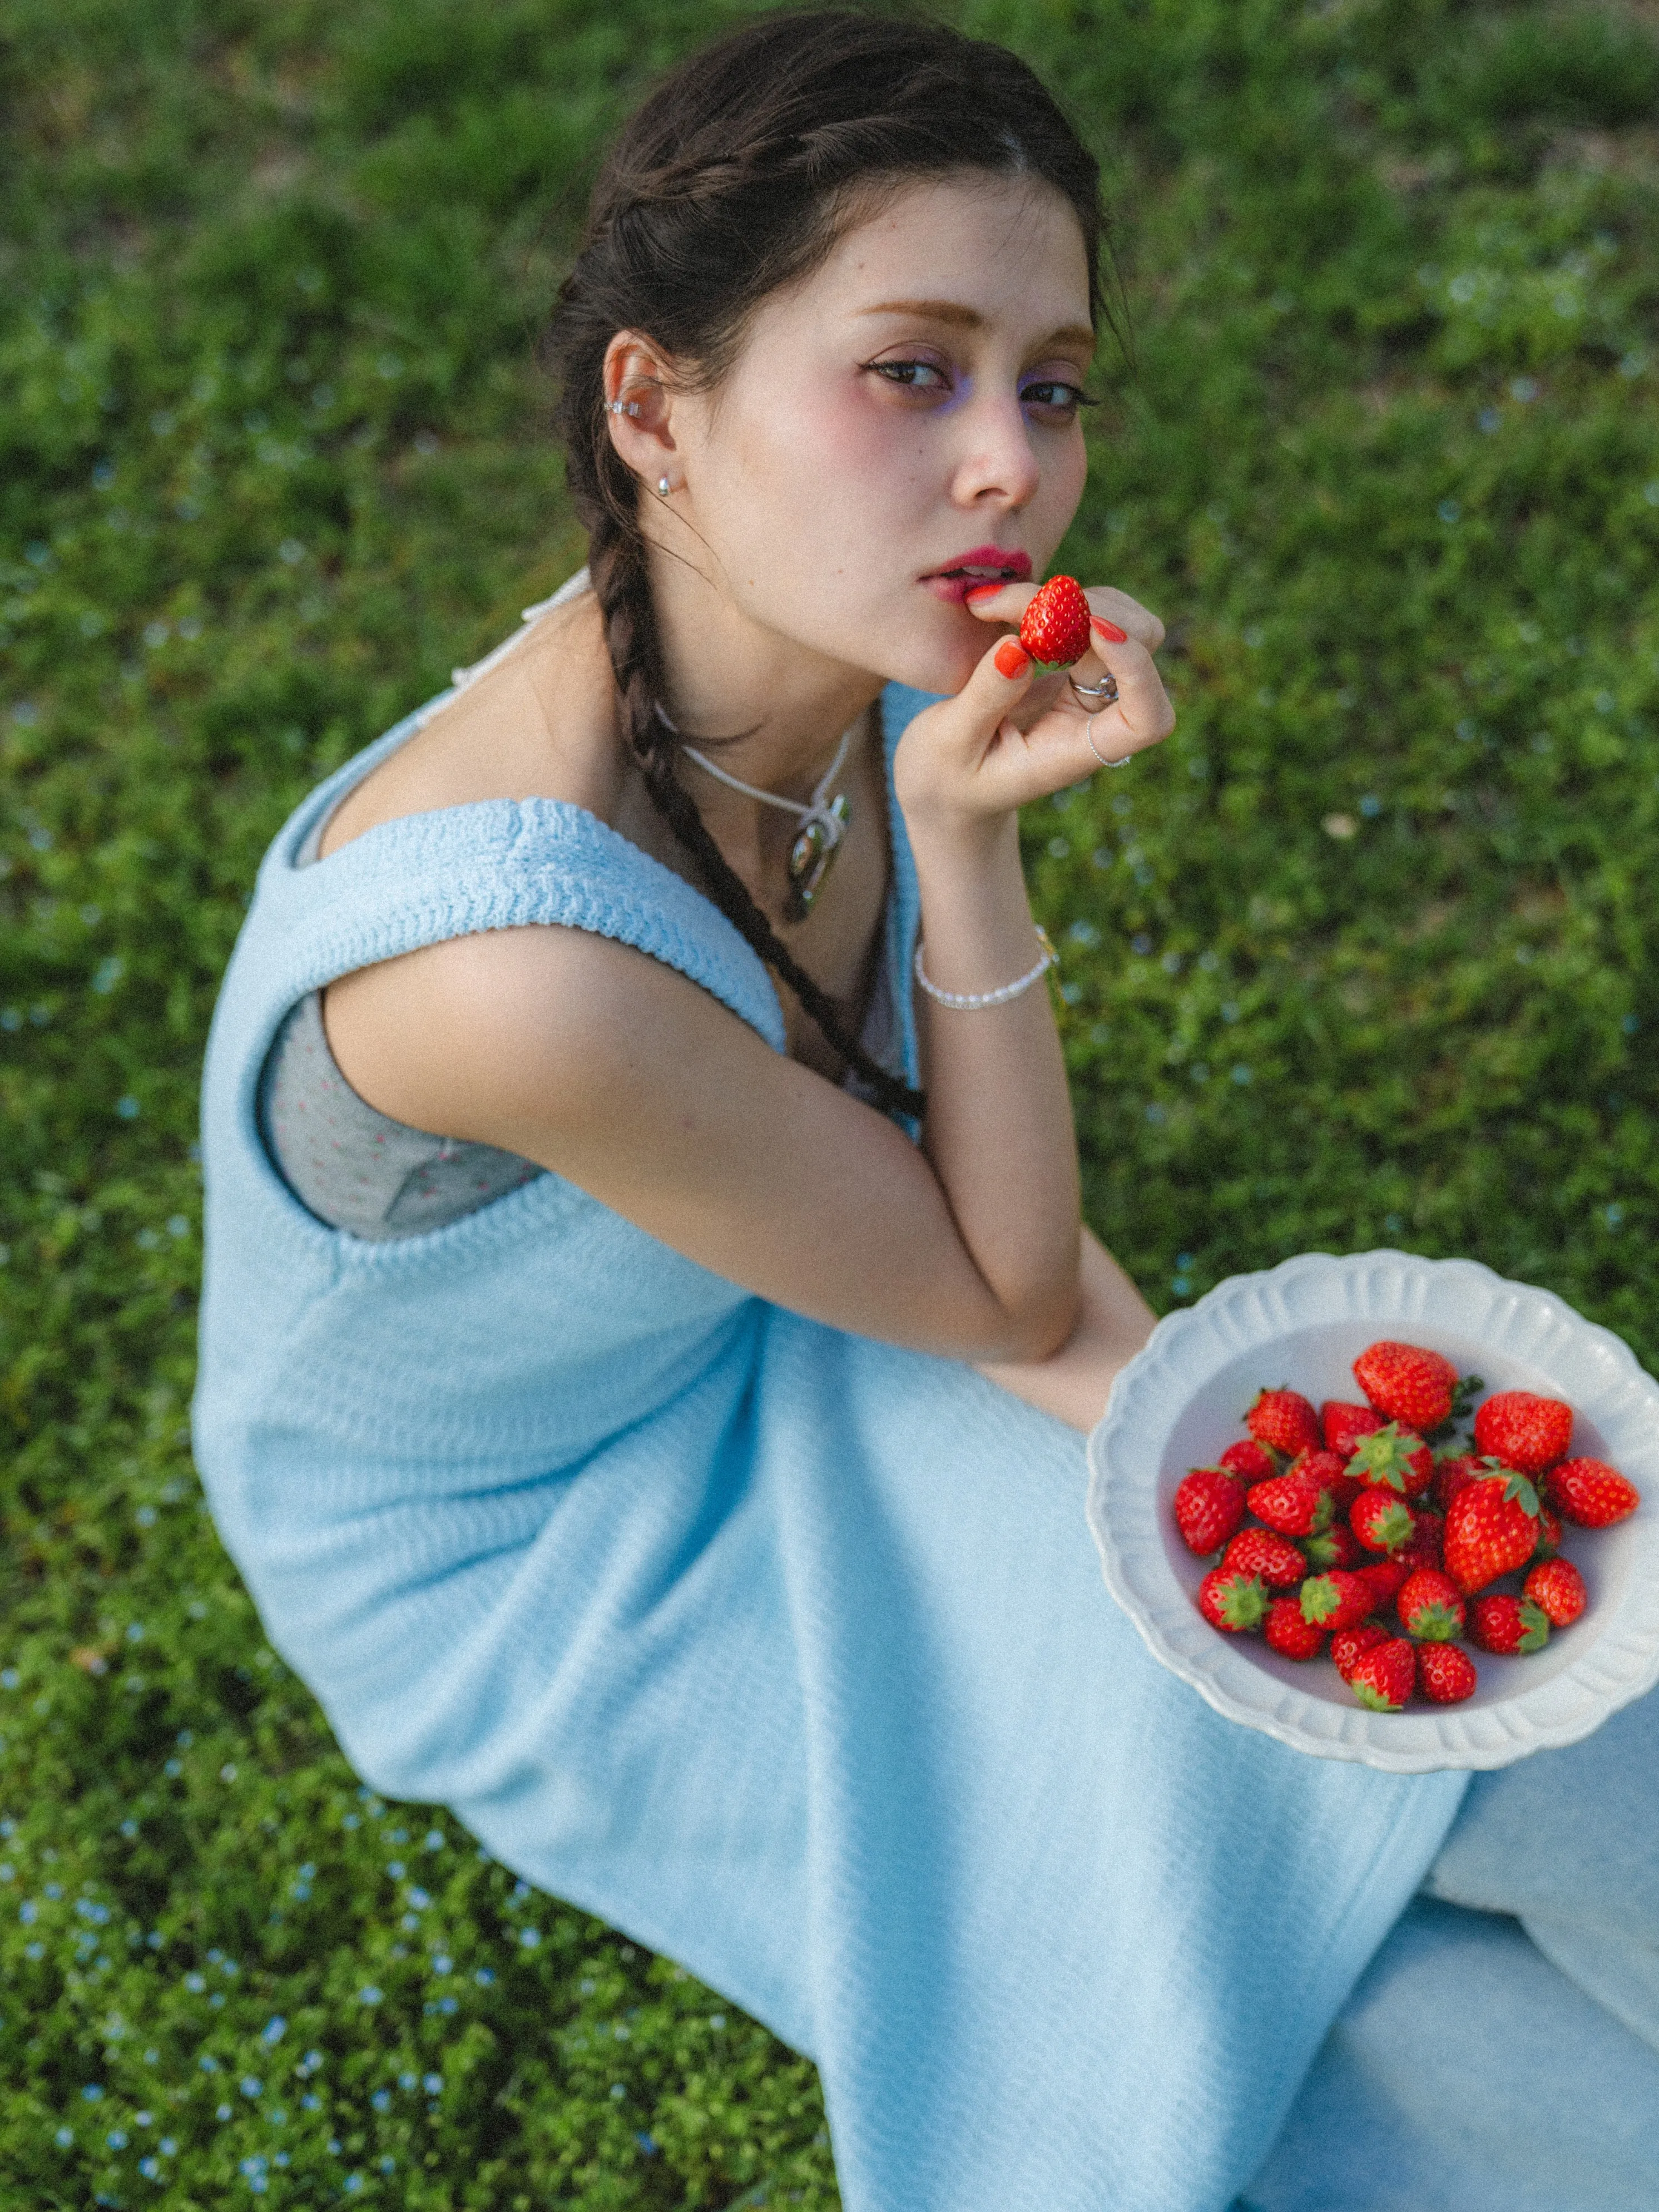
x: 538, y: 725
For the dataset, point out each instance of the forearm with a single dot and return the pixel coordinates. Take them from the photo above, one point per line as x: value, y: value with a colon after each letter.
x: 999, y: 1132
x: 1114, y: 1320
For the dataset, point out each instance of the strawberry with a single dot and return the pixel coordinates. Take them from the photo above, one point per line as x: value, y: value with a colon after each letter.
x: 1250, y: 1461
x: 1295, y: 1504
x: 1590, y: 1494
x: 1549, y: 1534
x: 1492, y: 1525
x: 1556, y: 1587
x: 1523, y: 1429
x: 1335, y: 1547
x: 1385, y: 1579
x: 1456, y: 1472
x: 1445, y: 1673
x: 1284, y: 1421
x: 1330, y: 1470
x: 1381, y: 1522
x: 1289, y: 1633
x: 1261, y: 1552
x: 1208, y: 1508
x: 1349, y: 1645
x: 1344, y: 1425
x: 1508, y: 1625
x: 1407, y: 1384
x: 1429, y: 1608
x: 1055, y: 629
x: 1393, y: 1455
x: 1231, y: 1601
x: 1426, y: 1544
x: 1385, y: 1676
x: 1336, y: 1600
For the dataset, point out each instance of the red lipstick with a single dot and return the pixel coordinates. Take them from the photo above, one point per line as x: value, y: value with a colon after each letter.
x: 981, y: 564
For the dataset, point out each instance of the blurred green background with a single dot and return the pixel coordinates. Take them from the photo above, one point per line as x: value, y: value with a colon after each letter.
x: 1364, y: 956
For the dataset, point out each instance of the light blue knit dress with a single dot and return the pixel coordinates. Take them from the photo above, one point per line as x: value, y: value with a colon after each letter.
x: 783, y: 1650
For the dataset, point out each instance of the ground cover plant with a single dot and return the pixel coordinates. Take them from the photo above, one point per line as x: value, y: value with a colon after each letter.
x: 1364, y: 956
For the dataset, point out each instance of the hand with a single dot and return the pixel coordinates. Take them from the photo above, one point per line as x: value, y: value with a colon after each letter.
x: 1006, y: 739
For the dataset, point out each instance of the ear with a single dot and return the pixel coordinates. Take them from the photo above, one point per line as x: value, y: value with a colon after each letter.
x: 638, y: 374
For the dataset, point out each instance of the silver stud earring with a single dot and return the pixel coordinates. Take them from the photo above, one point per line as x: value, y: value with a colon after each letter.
x: 663, y: 487
x: 623, y: 406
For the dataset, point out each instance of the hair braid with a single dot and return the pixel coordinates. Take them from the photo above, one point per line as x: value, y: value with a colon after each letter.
x: 622, y: 586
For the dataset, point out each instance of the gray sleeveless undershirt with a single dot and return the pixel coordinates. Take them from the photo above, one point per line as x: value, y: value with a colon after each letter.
x: 357, y: 1169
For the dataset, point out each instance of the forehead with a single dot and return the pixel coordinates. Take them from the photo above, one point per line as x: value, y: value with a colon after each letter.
x: 1006, y: 250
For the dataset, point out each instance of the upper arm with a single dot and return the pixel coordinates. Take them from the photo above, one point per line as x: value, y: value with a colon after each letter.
x: 602, y: 1063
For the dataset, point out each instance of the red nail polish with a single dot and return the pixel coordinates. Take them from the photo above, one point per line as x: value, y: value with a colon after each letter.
x: 1012, y: 657
x: 978, y: 590
x: 1109, y: 629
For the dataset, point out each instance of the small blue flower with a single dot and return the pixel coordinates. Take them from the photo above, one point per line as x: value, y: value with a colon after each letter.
x: 274, y: 2029
x: 381, y: 2101
x: 436, y: 1839
x: 63, y: 2138
x: 432, y: 2083
x: 117, y: 2138
x: 150, y: 2168
x: 441, y: 1963
x: 251, y: 2085
x: 128, y: 1108
x: 530, y: 1937
x: 167, y: 2145
x: 395, y: 1868
x: 92, y: 2093
x: 419, y: 1899
x: 368, y: 1995
x: 406, y: 2080
x: 484, y: 1977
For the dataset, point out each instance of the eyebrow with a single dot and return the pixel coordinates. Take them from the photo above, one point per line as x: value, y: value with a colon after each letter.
x: 953, y: 311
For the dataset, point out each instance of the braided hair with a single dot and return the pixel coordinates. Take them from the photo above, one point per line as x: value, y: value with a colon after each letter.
x: 739, y: 174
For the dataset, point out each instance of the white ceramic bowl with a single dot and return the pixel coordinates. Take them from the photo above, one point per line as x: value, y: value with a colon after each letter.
x: 1181, y: 1401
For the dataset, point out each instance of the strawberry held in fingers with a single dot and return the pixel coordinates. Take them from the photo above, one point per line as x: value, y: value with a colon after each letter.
x: 1285, y: 1421
x: 1385, y: 1676
x: 1513, y: 1627
x: 1209, y: 1505
x: 1523, y: 1429
x: 1407, y: 1384
x: 1556, y: 1587
x: 1445, y: 1673
x: 1055, y: 629
x: 1429, y: 1608
x: 1590, y: 1494
x: 1491, y: 1527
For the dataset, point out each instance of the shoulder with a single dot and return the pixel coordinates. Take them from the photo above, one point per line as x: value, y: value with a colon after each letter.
x: 540, y: 723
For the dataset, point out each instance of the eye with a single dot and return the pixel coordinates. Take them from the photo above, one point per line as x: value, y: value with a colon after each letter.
x: 1051, y: 393
x: 908, y: 374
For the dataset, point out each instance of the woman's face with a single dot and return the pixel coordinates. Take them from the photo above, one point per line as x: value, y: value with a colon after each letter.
x: 909, y: 410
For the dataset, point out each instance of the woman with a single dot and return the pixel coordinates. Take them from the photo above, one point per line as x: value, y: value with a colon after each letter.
x: 633, y: 1114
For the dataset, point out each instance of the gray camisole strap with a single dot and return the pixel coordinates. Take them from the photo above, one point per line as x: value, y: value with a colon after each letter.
x: 358, y: 1170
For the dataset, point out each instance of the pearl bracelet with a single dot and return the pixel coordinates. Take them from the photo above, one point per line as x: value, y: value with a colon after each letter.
x: 969, y: 1002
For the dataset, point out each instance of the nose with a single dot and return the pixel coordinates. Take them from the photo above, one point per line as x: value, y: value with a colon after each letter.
x: 997, y: 466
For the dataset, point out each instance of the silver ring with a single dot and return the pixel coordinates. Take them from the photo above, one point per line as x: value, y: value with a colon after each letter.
x: 1099, y: 694
x: 1088, y: 733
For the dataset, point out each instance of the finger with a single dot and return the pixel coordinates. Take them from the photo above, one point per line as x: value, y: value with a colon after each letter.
x: 1128, y: 614
x: 1002, y: 603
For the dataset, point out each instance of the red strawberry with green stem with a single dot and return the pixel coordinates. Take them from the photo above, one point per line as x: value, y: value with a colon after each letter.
x: 1556, y: 1587
x: 1549, y: 1533
x: 1289, y: 1633
x: 1395, y: 1457
x: 1055, y: 630
x: 1349, y: 1644
x: 1295, y: 1504
x: 1455, y: 1471
x: 1343, y: 1426
x: 1250, y: 1461
x: 1430, y: 1607
x: 1335, y: 1547
x: 1511, y: 1626
x: 1285, y: 1421
x: 1522, y: 1429
x: 1445, y: 1673
x: 1491, y: 1527
x: 1407, y: 1384
x: 1233, y: 1602
x: 1381, y: 1522
x: 1335, y: 1601
x: 1590, y: 1494
x: 1208, y: 1508
x: 1385, y: 1579
x: 1426, y: 1544
x: 1330, y: 1470
x: 1384, y: 1677
x: 1261, y: 1552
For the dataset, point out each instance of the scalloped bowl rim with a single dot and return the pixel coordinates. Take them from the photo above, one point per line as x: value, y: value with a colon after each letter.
x: 1330, y: 1306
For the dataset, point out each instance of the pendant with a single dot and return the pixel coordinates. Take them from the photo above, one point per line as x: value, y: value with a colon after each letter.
x: 812, y: 853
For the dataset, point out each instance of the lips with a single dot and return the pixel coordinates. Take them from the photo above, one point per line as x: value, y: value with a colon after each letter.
x: 981, y: 565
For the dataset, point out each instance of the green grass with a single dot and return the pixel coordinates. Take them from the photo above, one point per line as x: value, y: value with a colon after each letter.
x: 1365, y: 956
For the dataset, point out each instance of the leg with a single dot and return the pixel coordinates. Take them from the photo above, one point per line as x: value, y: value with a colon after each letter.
x: 1113, y: 1323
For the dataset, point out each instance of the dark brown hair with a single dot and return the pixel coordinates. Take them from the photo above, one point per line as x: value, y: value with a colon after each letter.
x: 739, y: 174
